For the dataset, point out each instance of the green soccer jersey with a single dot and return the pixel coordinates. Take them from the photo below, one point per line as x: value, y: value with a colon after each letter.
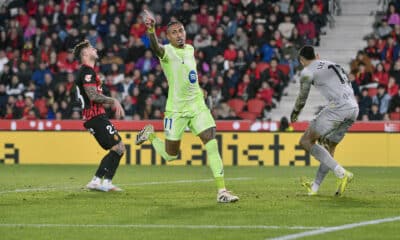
x: 184, y: 94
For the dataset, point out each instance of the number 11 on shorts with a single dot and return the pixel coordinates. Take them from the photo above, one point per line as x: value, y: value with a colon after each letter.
x: 168, y: 123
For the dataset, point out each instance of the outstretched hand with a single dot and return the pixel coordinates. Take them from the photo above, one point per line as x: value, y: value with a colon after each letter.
x: 149, y: 21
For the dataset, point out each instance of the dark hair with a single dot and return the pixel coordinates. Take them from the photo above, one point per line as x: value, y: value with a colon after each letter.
x: 78, y: 48
x: 171, y: 23
x: 307, y: 52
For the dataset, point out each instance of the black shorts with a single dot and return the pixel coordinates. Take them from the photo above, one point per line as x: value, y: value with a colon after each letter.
x: 103, y: 130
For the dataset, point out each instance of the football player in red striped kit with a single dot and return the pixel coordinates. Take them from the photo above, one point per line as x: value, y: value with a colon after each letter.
x: 90, y: 95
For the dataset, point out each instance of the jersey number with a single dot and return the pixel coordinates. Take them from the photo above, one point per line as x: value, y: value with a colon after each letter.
x: 79, y: 96
x: 339, y: 72
x: 168, y: 123
x: 110, y: 129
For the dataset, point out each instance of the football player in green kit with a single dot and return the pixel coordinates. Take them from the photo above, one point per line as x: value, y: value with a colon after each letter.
x: 185, y: 104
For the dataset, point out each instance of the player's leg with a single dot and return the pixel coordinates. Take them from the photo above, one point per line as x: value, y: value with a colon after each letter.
x: 203, y: 125
x: 174, y: 127
x: 323, y: 170
x: 108, y: 138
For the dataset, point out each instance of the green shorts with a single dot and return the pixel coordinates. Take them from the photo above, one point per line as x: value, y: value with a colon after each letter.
x: 175, y: 123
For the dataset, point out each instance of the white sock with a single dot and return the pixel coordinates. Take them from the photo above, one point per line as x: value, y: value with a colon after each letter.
x: 314, y: 187
x: 96, y: 179
x: 339, y: 171
x: 107, y: 181
x: 221, y: 190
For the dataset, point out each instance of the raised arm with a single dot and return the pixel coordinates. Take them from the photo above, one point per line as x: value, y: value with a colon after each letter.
x: 305, y: 86
x: 154, y: 44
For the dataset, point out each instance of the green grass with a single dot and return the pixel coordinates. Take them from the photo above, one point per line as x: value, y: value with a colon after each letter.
x: 272, y: 196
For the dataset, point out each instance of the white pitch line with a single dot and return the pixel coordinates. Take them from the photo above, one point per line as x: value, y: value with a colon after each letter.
x: 336, y: 228
x: 46, y: 189
x: 171, y: 226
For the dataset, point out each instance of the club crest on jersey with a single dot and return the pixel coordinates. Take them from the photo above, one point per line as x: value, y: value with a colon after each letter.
x: 192, y: 76
x: 88, y: 77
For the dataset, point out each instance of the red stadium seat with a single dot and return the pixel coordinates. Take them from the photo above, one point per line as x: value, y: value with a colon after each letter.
x: 284, y: 68
x: 394, y: 116
x: 248, y: 116
x: 255, y: 106
x: 236, y: 104
x: 372, y: 91
x: 261, y: 66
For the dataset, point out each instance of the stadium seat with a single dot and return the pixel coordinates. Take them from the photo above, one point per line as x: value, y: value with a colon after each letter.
x: 236, y: 104
x: 394, y: 116
x: 372, y: 92
x: 255, y: 106
x: 261, y: 66
x: 248, y: 116
x: 284, y: 68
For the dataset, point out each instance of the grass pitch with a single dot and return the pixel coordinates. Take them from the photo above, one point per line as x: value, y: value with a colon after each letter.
x: 49, y: 202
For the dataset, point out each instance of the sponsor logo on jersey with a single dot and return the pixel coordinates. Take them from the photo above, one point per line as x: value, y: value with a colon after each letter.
x: 192, y: 76
x: 88, y: 77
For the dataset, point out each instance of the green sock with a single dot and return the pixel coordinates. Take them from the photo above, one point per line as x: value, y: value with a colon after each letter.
x: 159, y: 146
x: 215, y: 163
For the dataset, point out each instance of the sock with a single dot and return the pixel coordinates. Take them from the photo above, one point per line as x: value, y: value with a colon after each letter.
x: 114, y: 158
x: 105, y: 166
x: 159, y: 146
x: 215, y: 161
x: 339, y: 171
x: 314, y: 187
x: 96, y: 180
x: 324, y: 157
x: 321, y: 173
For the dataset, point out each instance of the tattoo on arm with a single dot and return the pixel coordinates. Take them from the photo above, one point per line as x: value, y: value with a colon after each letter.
x: 157, y: 48
x: 96, y: 97
x: 305, y: 86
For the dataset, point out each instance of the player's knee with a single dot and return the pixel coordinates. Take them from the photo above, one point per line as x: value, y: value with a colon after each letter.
x: 305, y: 143
x: 119, y: 148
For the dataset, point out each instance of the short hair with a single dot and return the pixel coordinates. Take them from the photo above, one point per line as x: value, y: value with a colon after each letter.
x: 307, y: 52
x: 173, y: 22
x: 78, y: 48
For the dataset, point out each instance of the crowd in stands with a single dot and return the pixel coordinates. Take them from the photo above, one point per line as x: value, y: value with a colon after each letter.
x: 245, y: 49
x: 375, y: 71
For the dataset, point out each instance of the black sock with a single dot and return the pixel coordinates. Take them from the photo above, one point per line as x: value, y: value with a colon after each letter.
x: 106, y: 165
x: 115, y: 158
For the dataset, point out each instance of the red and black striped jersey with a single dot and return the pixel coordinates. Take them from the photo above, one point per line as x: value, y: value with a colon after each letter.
x: 88, y: 77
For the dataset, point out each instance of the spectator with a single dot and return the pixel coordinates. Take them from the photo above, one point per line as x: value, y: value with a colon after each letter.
x: 286, y: 27
x: 380, y: 75
x: 361, y: 58
x: 30, y: 112
x: 372, y: 50
x: 203, y: 39
x: 375, y: 114
x: 384, y: 29
x: 390, y: 52
x: 147, y: 63
x: 307, y: 30
x: 382, y: 99
x: 15, y: 87
x: 38, y: 75
x: 364, y: 103
x: 395, y: 102
x: 392, y: 15
x: 392, y: 87
x: 266, y: 93
x: 240, y: 39
x: 363, y: 77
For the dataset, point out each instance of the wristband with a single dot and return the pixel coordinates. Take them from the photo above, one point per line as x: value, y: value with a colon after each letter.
x: 150, y: 30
